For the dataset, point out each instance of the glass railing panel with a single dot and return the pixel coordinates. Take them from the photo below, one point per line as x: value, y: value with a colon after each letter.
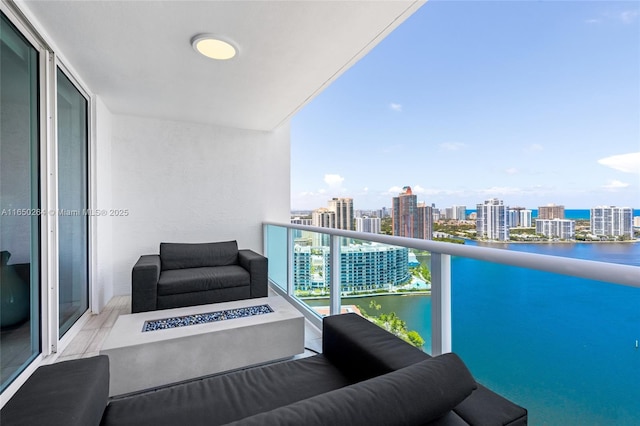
x: 311, y: 270
x: 563, y: 347
x: 277, y: 254
x: 388, y: 284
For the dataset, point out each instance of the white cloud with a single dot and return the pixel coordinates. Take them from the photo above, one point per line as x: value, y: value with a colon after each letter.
x: 535, y: 147
x: 628, y: 16
x: 417, y: 189
x: 615, y: 184
x: 395, y: 107
x: 628, y: 163
x: 334, y: 181
x: 592, y: 21
x: 501, y: 191
x: 452, y: 146
x: 395, y: 190
x: 511, y: 171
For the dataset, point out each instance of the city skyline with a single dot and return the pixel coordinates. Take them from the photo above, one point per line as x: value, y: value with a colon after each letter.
x: 535, y: 103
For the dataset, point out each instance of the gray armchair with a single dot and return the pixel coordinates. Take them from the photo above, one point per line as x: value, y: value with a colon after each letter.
x: 196, y: 274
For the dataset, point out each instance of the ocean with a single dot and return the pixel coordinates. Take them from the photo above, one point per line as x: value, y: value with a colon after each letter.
x: 562, y: 347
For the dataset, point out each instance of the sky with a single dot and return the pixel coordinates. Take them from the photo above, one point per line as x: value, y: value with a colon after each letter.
x: 531, y: 102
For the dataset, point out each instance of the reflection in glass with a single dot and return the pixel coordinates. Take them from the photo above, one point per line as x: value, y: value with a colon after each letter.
x: 73, y: 270
x: 19, y: 203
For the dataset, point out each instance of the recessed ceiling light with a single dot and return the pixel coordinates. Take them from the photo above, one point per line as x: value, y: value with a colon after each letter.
x: 213, y: 47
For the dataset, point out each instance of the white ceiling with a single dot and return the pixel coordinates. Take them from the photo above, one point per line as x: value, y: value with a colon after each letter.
x: 137, y: 55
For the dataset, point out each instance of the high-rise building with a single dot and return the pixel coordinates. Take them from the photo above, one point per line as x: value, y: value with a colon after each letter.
x: 368, y: 224
x: 459, y: 212
x: 612, y: 221
x: 343, y: 208
x: 323, y: 217
x: 551, y: 211
x: 519, y: 217
x: 425, y: 221
x: 410, y: 219
x: 491, y: 220
x: 363, y: 267
x: 563, y: 229
x: 297, y: 220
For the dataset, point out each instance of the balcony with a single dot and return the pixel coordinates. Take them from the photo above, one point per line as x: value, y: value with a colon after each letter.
x: 199, y: 151
x: 556, y: 335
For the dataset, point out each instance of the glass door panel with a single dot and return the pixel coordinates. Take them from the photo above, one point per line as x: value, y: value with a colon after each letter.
x: 19, y: 203
x: 73, y: 265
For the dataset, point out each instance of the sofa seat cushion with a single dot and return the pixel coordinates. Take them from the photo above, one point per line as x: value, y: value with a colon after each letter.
x: 202, y: 279
x: 412, y: 396
x: 222, y: 399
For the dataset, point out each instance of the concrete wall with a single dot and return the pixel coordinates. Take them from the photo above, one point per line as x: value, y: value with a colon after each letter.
x: 188, y: 182
x: 101, y: 197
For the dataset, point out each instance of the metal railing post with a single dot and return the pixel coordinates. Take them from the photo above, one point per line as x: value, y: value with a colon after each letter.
x: 440, y: 303
x: 335, y: 289
x: 290, y: 288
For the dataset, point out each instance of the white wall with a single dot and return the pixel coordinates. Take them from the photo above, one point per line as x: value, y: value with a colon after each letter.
x: 187, y: 182
x: 101, y: 197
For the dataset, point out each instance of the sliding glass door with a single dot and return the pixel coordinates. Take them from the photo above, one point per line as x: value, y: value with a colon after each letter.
x: 73, y: 252
x: 19, y: 203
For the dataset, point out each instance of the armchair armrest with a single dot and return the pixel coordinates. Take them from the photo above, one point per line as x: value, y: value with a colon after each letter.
x: 144, y: 283
x: 257, y: 266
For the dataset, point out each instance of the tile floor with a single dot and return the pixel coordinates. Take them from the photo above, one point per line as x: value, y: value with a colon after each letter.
x: 89, y: 340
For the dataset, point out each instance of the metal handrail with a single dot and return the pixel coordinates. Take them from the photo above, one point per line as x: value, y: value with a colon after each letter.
x: 614, y: 273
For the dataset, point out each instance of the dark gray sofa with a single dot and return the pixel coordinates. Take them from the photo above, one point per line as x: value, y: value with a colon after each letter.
x: 196, y: 274
x: 365, y: 376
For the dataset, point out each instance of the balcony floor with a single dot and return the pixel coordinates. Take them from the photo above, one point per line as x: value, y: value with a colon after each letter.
x: 90, y: 338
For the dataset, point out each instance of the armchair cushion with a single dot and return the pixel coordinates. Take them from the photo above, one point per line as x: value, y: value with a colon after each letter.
x: 202, y: 279
x: 183, y: 256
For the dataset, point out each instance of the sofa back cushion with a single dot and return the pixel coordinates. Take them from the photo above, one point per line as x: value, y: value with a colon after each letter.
x: 414, y: 395
x: 182, y: 255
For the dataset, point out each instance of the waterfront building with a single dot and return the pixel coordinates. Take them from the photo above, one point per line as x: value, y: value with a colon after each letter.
x: 343, y: 209
x: 612, y: 221
x: 513, y: 218
x: 636, y: 221
x: 410, y: 218
x: 526, y: 220
x: 363, y: 267
x: 368, y: 224
x: 519, y: 217
x: 551, y: 211
x: 491, y: 220
x: 563, y: 229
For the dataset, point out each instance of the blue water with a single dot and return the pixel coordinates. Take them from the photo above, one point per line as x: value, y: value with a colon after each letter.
x: 562, y: 347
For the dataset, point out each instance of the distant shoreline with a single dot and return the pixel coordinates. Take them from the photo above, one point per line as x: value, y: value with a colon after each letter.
x: 360, y: 296
x: 557, y: 242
